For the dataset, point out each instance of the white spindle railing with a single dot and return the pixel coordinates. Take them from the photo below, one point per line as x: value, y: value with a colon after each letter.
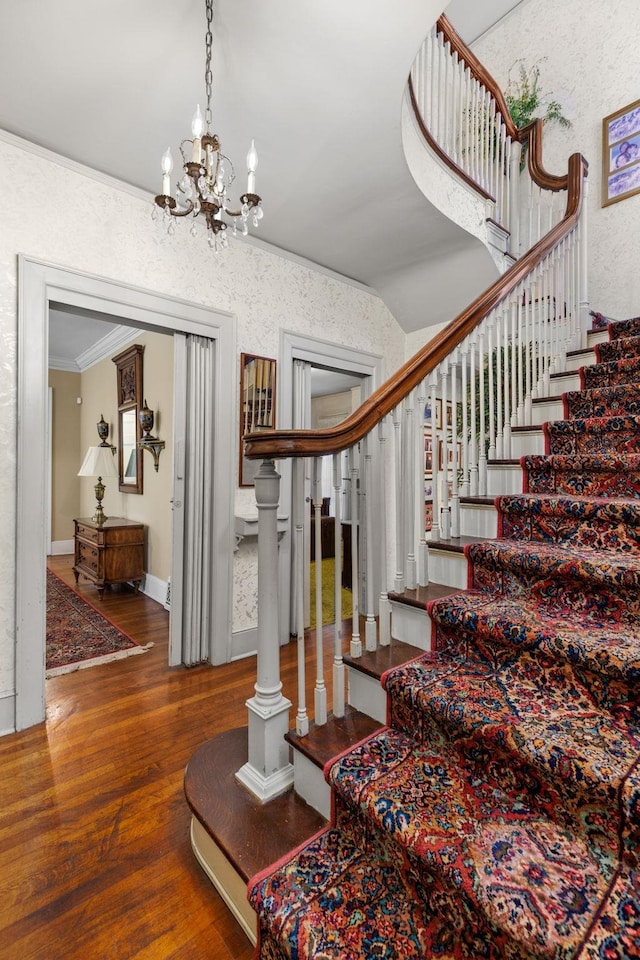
x: 479, y: 380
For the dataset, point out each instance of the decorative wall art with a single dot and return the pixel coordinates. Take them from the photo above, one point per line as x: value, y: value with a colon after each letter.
x: 257, y: 406
x: 621, y: 154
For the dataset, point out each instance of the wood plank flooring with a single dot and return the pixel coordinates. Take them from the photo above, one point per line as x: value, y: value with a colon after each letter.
x: 95, y: 859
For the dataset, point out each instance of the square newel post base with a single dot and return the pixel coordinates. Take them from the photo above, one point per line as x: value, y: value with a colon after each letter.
x: 267, y: 772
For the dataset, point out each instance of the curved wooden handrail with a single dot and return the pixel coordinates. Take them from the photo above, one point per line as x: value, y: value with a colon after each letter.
x: 313, y: 443
x: 478, y: 71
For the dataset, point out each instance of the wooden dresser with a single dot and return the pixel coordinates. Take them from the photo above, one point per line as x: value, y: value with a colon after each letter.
x: 112, y: 553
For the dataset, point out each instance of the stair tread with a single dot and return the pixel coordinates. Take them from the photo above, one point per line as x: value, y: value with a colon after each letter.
x: 454, y: 544
x: 465, y: 836
x: 479, y: 501
x: 250, y: 834
x: 376, y: 662
x: 326, y: 741
x: 597, y: 643
x: 421, y: 596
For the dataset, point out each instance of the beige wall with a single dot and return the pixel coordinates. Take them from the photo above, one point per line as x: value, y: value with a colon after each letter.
x: 66, y: 452
x: 152, y: 507
x: 333, y: 408
x: 587, y: 52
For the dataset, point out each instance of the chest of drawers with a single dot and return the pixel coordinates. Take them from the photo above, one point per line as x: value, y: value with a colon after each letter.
x: 111, y: 553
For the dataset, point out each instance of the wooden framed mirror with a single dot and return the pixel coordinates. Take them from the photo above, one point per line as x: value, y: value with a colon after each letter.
x: 257, y: 406
x: 130, y: 401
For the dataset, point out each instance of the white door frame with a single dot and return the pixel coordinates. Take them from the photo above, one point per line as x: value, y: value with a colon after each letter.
x: 324, y: 353
x: 39, y: 284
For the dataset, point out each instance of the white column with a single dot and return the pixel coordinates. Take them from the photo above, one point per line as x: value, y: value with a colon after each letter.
x: 267, y: 771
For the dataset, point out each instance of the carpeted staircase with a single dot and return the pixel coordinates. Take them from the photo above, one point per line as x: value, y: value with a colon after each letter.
x: 498, y: 813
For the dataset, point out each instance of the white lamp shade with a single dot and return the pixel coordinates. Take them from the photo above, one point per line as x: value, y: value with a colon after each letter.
x: 99, y: 462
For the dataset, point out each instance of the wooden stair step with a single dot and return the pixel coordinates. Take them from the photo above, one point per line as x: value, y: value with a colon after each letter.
x: 421, y: 596
x: 338, y: 734
x: 374, y: 663
x: 455, y: 544
x: 250, y: 834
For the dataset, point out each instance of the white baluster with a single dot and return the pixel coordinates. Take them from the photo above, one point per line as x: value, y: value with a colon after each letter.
x: 443, y: 475
x: 338, y: 663
x: 464, y: 360
x: 356, y: 643
x: 474, y: 408
x: 384, y: 605
x: 435, y: 437
x: 455, y: 459
x: 366, y: 502
x: 299, y: 504
x: 482, y: 413
x: 397, y: 445
x: 500, y: 382
x: 422, y: 555
x: 320, y: 690
x: 408, y: 492
x: 491, y: 361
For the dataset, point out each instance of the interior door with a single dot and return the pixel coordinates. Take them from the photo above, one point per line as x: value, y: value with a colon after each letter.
x: 177, y: 501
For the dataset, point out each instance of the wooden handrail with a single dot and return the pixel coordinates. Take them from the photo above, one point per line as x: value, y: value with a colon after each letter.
x: 478, y: 71
x: 313, y: 443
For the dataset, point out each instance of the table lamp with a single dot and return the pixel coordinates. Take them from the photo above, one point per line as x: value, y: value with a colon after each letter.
x: 99, y: 462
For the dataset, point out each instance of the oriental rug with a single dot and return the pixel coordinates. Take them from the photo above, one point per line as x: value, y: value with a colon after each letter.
x: 78, y: 634
x: 497, y: 815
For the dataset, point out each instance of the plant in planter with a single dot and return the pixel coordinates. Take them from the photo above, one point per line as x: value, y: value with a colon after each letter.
x: 527, y: 101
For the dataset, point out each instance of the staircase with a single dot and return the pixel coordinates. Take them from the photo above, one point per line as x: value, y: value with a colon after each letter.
x: 497, y: 813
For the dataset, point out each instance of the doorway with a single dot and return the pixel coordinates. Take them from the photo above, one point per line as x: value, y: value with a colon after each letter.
x: 41, y: 284
x: 298, y: 353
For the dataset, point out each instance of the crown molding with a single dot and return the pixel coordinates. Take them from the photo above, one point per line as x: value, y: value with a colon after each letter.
x: 104, y: 178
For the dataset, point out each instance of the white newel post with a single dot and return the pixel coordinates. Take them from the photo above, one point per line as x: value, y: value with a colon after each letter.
x: 267, y: 771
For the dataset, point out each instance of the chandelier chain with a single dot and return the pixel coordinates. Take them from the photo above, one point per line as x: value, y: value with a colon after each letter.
x: 208, y: 75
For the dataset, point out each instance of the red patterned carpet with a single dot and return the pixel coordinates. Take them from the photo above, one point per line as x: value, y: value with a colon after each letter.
x: 78, y: 635
x: 497, y: 816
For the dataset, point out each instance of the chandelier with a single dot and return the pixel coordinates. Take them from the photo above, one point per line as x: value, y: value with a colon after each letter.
x: 203, y: 188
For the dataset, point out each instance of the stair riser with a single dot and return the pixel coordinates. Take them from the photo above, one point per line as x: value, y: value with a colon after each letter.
x: 527, y: 442
x: 310, y: 784
x: 503, y: 478
x: 580, y: 360
x: 593, y: 534
x: 447, y: 568
x: 367, y: 696
x: 411, y: 625
x: 543, y: 410
x: 478, y: 521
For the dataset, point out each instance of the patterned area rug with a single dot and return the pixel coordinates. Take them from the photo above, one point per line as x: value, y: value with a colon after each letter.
x: 78, y: 635
x: 497, y: 816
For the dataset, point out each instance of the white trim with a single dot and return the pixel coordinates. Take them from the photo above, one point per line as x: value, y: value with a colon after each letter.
x: 7, y: 714
x: 60, y: 548
x: 295, y: 346
x: 154, y: 588
x: 115, y: 184
x: 39, y: 284
x: 244, y: 643
x: 227, y: 881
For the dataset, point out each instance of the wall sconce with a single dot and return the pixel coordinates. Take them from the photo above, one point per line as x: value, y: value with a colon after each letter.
x: 103, y: 433
x: 148, y: 442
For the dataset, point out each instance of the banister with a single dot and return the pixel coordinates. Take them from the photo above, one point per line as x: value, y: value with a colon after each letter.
x: 311, y: 443
x: 478, y: 71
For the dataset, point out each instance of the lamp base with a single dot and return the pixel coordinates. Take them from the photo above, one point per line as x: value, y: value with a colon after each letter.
x: 99, y: 517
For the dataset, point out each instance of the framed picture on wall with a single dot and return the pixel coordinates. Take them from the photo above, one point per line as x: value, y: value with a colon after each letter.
x: 621, y: 154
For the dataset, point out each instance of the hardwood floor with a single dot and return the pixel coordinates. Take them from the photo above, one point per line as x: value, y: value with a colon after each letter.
x: 95, y: 859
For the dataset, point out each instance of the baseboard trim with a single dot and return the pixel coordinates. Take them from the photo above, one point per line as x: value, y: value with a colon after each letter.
x: 61, y: 547
x: 7, y: 714
x: 154, y: 588
x: 244, y: 643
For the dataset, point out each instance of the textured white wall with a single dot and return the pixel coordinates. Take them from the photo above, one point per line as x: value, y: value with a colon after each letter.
x: 56, y: 213
x: 591, y: 66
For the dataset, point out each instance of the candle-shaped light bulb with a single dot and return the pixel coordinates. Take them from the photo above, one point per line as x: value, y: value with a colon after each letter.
x: 197, y: 129
x: 167, y: 167
x: 252, y: 163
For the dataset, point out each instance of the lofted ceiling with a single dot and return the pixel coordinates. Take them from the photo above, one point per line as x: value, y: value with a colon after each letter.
x: 318, y: 85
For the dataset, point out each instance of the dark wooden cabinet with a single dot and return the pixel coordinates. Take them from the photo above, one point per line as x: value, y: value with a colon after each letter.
x: 111, y: 553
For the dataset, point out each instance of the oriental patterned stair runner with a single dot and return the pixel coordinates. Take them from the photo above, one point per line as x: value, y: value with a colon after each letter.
x: 498, y: 813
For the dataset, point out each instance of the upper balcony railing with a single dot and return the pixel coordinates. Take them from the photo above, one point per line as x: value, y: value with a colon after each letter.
x: 482, y: 372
